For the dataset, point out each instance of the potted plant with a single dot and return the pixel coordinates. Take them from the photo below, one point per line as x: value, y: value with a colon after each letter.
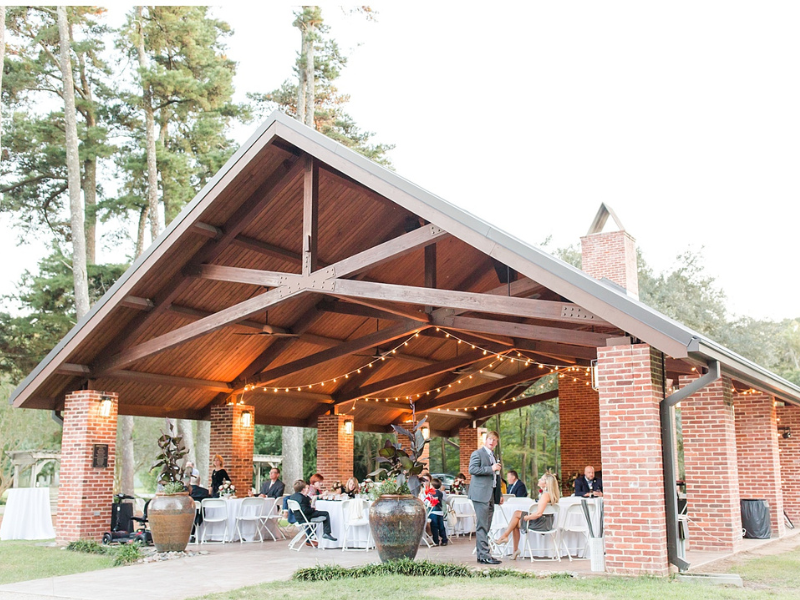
x: 171, y: 512
x: 397, y: 517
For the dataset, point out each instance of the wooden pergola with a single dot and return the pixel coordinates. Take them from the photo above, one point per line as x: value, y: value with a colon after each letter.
x: 306, y: 282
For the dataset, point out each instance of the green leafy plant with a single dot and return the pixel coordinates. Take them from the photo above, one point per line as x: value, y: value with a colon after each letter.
x: 172, y: 451
x: 388, y: 487
x: 87, y: 546
x: 127, y: 554
x: 398, y: 465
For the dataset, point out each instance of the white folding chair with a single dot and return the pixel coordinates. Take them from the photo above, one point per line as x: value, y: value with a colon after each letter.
x: 552, y: 533
x: 195, y: 526
x: 251, y: 511
x: 273, y: 512
x: 426, y: 537
x: 219, y: 509
x: 464, y: 511
x: 349, y: 509
x: 498, y: 525
x: 575, y: 513
x: 308, y: 529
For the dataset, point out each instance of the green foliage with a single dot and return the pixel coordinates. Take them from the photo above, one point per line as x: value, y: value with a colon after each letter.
x: 126, y: 554
x: 411, y: 568
x: 389, y: 487
x: 87, y: 546
x: 399, y: 465
x: 123, y: 554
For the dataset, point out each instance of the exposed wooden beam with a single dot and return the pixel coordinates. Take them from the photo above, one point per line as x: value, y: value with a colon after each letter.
x: 445, y: 366
x: 430, y: 270
x: 206, y: 230
x: 196, y: 313
x: 223, y: 318
x: 264, y: 419
x: 358, y: 380
x: 356, y: 310
x: 399, y: 311
x: 471, y: 338
x: 484, y: 388
x: 266, y: 249
x: 557, y: 350
x: 485, y: 303
x: 505, y: 406
x: 148, y: 410
x: 310, y: 214
x: 379, y: 337
x: 137, y: 303
x: 239, y: 275
x: 170, y: 380
x: 295, y: 394
x: 74, y: 369
x: 523, y: 330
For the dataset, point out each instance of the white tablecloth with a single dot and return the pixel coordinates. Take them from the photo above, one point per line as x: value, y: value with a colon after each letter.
x: 461, y: 504
x: 27, y: 515
x: 543, y: 545
x: 215, y: 531
x: 356, y: 538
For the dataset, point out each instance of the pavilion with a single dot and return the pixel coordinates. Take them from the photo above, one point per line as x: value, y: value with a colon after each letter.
x: 307, y: 286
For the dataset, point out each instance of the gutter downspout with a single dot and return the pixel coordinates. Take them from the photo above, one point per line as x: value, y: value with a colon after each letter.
x: 668, y: 450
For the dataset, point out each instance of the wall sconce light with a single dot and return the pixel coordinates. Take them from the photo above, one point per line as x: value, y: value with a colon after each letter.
x: 247, y: 418
x: 426, y: 432
x: 348, y: 427
x: 786, y: 432
x: 105, y: 406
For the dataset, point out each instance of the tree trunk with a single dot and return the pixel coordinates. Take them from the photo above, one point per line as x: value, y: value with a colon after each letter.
x: 150, y: 135
x: 127, y: 459
x: 78, y: 232
x: 90, y: 203
x: 186, y: 431
x: 310, y: 107
x: 301, y: 78
x: 203, y: 450
x: 142, y: 228
x: 292, y: 451
x: 444, y: 455
x: 499, y: 451
x: 525, y: 429
x: 2, y: 62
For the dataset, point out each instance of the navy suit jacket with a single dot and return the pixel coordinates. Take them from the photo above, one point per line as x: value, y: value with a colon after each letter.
x: 518, y: 489
x: 582, y: 487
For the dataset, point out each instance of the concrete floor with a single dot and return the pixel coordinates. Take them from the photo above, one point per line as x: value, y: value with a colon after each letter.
x: 230, y: 566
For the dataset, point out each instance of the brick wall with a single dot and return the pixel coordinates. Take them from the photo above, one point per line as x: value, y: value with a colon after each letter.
x: 611, y: 255
x: 334, y: 449
x: 633, y: 477
x: 233, y: 441
x: 85, y: 492
x: 579, y: 417
x: 789, y: 416
x: 759, y: 467
x: 710, y: 460
x: 468, y: 442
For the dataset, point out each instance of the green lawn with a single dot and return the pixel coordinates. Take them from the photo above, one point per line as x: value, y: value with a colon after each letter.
x: 774, y: 578
x: 24, y: 560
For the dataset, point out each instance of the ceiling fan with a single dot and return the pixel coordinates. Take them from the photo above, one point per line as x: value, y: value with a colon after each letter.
x: 378, y: 354
x: 270, y: 330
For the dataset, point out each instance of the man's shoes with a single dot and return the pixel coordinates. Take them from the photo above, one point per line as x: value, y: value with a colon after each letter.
x: 443, y: 544
x: 489, y: 561
x: 311, y: 543
x: 329, y: 537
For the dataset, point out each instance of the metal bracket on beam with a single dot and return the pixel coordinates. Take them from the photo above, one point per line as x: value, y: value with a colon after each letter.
x: 573, y: 311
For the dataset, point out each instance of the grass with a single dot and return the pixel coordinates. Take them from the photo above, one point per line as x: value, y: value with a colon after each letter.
x: 772, y: 577
x: 24, y: 560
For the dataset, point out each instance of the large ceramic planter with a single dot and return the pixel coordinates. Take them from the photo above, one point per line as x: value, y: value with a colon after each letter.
x: 171, y: 518
x: 397, y: 523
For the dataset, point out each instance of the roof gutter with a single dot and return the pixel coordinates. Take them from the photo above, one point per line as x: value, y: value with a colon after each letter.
x: 668, y: 450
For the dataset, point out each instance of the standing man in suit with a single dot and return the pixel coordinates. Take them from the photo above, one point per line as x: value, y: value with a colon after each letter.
x: 484, y: 491
x: 273, y: 487
x: 515, y: 486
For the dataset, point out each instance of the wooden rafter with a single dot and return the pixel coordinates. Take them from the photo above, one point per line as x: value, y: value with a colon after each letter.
x: 506, y: 405
x: 310, y: 215
x: 523, y: 330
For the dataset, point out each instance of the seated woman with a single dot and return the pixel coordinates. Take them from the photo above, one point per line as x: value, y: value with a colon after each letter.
x: 537, y: 520
x: 459, y: 486
x: 350, y: 487
x: 218, y: 475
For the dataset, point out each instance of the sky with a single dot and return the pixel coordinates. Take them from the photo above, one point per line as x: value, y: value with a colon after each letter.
x: 681, y: 116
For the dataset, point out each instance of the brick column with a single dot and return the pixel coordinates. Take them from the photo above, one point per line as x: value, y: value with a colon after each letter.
x: 579, y: 418
x: 633, y: 477
x: 710, y: 460
x: 334, y: 448
x: 468, y: 442
x: 759, y: 465
x: 789, y: 448
x: 233, y: 441
x: 85, y: 492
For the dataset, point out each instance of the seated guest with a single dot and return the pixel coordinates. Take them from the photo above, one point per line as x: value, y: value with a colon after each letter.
x: 315, y: 485
x: 273, y: 487
x: 300, y: 496
x: 460, y: 487
x: 218, y: 475
x: 537, y: 520
x: 435, y: 499
x: 350, y: 487
x: 515, y: 486
x: 589, y: 486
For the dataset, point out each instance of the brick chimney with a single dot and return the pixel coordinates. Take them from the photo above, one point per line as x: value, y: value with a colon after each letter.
x: 612, y: 254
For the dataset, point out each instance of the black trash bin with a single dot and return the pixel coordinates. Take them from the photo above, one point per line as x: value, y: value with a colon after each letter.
x: 755, y: 519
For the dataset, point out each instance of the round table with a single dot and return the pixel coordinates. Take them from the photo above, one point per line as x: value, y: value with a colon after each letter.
x: 216, y: 531
x: 358, y: 536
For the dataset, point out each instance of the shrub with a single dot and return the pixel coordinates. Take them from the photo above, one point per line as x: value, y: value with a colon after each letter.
x: 127, y: 554
x: 411, y: 568
x: 87, y: 546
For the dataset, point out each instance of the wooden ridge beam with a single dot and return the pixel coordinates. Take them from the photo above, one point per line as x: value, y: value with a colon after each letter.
x: 310, y: 214
x: 523, y: 330
x: 379, y: 337
x: 485, y: 303
x: 356, y: 310
x: 445, y: 366
x: 529, y: 374
x: 399, y: 312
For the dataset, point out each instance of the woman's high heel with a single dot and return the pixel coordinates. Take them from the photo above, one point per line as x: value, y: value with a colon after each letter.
x: 515, y: 555
x: 501, y: 540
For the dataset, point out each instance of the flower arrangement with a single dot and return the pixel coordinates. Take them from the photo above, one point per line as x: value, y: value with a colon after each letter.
x: 458, y: 488
x: 365, y: 487
x: 227, y: 490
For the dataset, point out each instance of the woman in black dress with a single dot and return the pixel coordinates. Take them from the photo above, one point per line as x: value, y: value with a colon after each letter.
x: 218, y: 475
